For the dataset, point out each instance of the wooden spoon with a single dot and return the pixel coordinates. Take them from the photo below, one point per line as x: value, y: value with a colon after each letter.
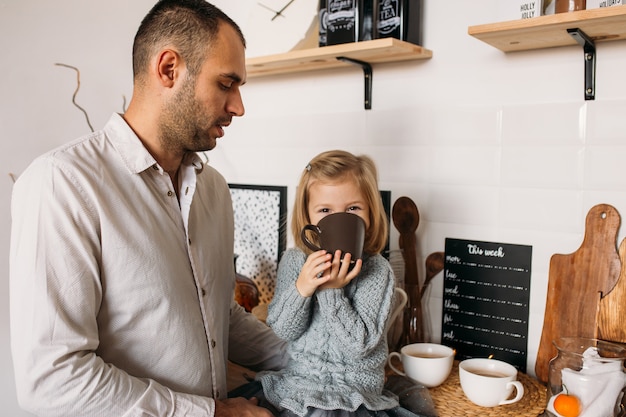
x: 406, y: 219
x: 434, y: 265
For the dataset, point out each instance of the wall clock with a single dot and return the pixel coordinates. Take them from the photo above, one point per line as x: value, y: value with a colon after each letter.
x: 274, y: 26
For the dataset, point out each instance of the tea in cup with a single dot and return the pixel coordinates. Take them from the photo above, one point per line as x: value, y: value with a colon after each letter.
x: 337, y: 231
x: 428, y: 364
x: 489, y: 382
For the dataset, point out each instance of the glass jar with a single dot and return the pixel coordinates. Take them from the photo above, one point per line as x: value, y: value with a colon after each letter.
x: 591, y: 370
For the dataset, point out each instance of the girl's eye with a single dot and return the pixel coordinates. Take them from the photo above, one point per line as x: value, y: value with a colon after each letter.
x: 324, y: 210
x: 354, y: 208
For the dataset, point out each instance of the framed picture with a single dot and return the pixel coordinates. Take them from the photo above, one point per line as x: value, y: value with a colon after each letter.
x: 260, y: 233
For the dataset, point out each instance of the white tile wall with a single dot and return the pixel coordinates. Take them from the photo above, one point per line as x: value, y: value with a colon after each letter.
x: 522, y: 163
x: 522, y: 173
x: 491, y: 146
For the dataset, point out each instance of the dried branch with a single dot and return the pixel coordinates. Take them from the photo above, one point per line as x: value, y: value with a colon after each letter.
x: 76, y: 104
x: 76, y: 92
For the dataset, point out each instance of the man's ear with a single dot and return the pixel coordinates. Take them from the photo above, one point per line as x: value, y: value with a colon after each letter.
x: 169, y: 65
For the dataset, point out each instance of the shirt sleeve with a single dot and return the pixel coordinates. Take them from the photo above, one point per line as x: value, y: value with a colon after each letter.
x: 252, y: 343
x: 55, y: 295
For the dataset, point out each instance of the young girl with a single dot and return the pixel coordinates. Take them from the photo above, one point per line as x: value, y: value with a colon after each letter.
x: 334, y: 319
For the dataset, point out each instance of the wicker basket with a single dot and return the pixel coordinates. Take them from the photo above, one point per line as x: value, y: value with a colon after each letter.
x: 450, y: 401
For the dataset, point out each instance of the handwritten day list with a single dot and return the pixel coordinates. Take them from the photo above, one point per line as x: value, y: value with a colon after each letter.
x: 485, y: 300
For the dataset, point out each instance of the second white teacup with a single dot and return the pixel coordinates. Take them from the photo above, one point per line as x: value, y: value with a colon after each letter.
x: 426, y: 363
x: 489, y: 382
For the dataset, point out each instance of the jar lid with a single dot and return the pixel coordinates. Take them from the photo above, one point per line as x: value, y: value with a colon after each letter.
x: 580, y: 345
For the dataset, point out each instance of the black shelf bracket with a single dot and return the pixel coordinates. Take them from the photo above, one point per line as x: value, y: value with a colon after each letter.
x: 589, y: 48
x: 367, y: 74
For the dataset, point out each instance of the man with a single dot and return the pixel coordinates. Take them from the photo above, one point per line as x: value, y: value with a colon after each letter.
x: 122, y: 269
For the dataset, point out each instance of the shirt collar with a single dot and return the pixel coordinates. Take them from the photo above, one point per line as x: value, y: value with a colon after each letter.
x: 135, y: 156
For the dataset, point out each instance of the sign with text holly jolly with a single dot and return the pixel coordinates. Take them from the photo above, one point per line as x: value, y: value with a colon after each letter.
x: 486, y: 300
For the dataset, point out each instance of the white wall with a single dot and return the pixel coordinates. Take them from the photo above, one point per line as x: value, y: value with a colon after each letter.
x: 491, y: 146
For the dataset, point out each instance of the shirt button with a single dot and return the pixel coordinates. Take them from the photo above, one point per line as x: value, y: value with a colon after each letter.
x: 169, y: 193
x: 203, y: 291
x: 155, y: 167
x: 213, y: 344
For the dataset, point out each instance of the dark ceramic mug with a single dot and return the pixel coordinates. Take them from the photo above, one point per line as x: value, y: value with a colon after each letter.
x: 343, y: 231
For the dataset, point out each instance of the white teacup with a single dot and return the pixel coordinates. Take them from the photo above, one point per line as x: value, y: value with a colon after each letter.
x: 489, y: 382
x: 428, y: 364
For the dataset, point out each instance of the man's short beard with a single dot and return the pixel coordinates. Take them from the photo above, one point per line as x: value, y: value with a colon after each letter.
x: 180, y: 126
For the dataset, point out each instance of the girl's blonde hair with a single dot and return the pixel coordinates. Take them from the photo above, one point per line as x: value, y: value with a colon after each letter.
x: 338, y: 165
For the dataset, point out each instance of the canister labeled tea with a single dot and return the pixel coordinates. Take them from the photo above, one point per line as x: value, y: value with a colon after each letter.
x: 400, y: 19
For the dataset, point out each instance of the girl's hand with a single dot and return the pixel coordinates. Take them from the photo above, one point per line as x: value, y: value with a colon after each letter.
x: 339, y: 274
x: 315, y: 265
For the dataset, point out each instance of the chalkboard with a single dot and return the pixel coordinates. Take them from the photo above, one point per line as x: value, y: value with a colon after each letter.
x: 485, y: 300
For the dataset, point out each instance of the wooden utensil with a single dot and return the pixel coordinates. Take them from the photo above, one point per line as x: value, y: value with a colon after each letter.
x: 406, y: 217
x: 434, y: 265
x: 612, y: 315
x: 576, y: 282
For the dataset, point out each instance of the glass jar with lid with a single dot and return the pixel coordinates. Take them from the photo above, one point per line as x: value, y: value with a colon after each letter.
x: 589, y: 372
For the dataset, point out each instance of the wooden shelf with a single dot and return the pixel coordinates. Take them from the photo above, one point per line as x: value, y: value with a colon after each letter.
x: 372, y: 52
x: 603, y: 24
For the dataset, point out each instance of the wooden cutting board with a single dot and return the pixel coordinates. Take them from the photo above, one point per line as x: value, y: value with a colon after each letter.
x: 612, y: 315
x: 577, y: 281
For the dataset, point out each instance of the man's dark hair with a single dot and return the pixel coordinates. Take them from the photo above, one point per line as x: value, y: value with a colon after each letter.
x: 187, y: 25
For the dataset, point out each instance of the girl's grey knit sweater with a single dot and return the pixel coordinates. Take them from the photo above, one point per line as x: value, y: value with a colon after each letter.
x: 337, y: 340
